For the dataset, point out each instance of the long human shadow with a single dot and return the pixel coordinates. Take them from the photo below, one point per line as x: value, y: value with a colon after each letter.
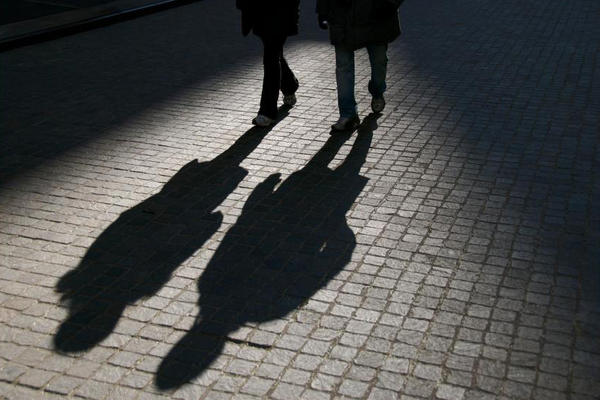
x: 289, y: 242
x: 136, y: 255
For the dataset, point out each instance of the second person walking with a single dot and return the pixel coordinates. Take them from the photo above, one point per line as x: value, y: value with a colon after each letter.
x: 273, y: 21
x: 355, y: 24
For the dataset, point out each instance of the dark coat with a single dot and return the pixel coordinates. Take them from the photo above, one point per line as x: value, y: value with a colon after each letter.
x: 269, y: 17
x: 358, y: 23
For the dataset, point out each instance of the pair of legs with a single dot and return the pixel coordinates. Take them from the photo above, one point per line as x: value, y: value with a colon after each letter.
x: 344, y: 73
x: 277, y: 76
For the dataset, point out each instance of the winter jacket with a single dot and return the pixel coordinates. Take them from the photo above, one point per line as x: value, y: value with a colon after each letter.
x: 269, y: 17
x: 357, y: 23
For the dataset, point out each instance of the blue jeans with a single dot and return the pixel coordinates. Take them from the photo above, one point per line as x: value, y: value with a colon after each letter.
x: 344, y: 74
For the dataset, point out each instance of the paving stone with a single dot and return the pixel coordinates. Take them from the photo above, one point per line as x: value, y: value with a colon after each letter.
x: 419, y: 388
x: 287, y: 391
x: 353, y: 389
x: 539, y: 393
x: 269, y: 371
x: 447, y: 392
x: 36, y: 378
x: 314, y: 395
x: 334, y: 367
x: 229, y: 384
x: 326, y: 383
x: 489, y: 384
x: 83, y: 368
x: 93, y: 389
x: 63, y: 385
x: 136, y: 379
x: 381, y: 394
x: 517, y: 390
x: 428, y: 372
x: 120, y: 392
x: 389, y: 380
x: 10, y: 372
x: 257, y: 386
x: 461, y: 378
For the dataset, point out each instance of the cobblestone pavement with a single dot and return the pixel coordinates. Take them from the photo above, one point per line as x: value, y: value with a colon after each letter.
x: 154, y: 245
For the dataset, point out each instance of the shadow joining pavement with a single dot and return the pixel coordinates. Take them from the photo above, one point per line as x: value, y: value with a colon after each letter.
x: 291, y: 239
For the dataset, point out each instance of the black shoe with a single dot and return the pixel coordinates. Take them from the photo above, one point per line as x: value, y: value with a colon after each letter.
x: 263, y: 121
x: 346, y: 124
x: 377, y: 104
x: 289, y: 100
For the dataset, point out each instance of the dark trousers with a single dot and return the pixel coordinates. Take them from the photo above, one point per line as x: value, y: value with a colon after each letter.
x: 277, y: 76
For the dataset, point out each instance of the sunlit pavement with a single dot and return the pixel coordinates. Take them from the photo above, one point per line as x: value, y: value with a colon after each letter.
x: 154, y: 245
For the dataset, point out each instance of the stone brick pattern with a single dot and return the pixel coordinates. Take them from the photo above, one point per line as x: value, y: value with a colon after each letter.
x: 154, y: 245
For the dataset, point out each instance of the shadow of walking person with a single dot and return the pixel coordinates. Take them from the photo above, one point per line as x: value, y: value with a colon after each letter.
x: 136, y: 255
x: 289, y: 242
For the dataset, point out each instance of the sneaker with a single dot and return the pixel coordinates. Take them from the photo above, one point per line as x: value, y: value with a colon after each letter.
x: 346, y: 123
x: 289, y: 99
x: 262, y: 120
x: 377, y: 104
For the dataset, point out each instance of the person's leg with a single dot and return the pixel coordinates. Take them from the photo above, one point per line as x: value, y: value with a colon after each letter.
x: 378, y: 59
x: 272, y: 76
x: 289, y: 83
x: 344, y: 74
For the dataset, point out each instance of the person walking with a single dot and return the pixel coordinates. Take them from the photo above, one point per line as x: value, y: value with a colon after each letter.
x: 273, y: 21
x: 355, y: 24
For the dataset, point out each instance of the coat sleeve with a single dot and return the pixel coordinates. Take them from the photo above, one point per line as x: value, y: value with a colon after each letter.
x: 397, y: 3
x: 323, y: 7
